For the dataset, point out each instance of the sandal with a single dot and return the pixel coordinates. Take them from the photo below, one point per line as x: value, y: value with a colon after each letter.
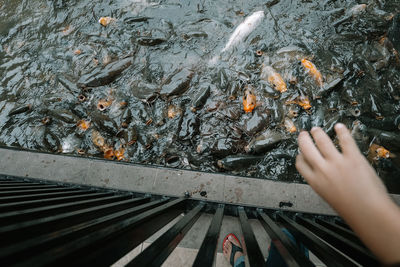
x: 234, y: 247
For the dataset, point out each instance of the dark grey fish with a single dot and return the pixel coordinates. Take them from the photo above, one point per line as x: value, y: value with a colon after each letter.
x: 386, y: 138
x: 266, y: 140
x: 150, y: 41
x: 329, y: 87
x: 130, y: 20
x: 62, y: 115
x: 235, y: 162
x: 177, y: 84
x: 68, y: 84
x: 195, y: 34
x: 20, y: 109
x: 105, y: 75
x: 201, y: 97
x: 104, y: 123
x: 270, y: 3
x: 256, y: 123
x: 394, y: 32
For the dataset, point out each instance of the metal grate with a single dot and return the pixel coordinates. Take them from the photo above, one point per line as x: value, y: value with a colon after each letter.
x: 57, y: 224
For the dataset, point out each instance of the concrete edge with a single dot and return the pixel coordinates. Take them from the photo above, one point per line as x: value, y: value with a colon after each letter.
x: 164, y: 181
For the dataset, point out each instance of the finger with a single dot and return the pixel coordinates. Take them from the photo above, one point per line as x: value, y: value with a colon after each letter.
x: 324, y: 143
x: 304, y: 169
x: 346, y: 141
x: 309, y: 151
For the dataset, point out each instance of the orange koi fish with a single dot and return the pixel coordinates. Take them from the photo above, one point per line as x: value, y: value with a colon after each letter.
x: 302, y: 101
x: 274, y: 78
x: 249, y: 101
x: 378, y: 152
x: 119, y: 153
x: 103, y: 104
x: 289, y: 125
x: 312, y: 71
x: 83, y: 125
x: 106, y: 20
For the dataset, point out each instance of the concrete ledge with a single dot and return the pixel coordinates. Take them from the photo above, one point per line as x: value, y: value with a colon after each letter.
x: 164, y: 181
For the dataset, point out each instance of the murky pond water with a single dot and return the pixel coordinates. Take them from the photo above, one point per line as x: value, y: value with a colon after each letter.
x: 219, y: 86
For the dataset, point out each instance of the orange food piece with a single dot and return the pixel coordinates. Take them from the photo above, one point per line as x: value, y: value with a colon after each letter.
x: 77, y: 52
x: 249, y: 101
x: 105, y: 21
x: 312, y: 70
x: 119, y: 153
x: 289, y: 125
x: 83, y: 125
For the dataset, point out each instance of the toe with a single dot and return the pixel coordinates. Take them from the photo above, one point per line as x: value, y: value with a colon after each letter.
x: 234, y: 241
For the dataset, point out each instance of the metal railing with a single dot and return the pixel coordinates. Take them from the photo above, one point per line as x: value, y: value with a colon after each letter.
x: 44, y: 223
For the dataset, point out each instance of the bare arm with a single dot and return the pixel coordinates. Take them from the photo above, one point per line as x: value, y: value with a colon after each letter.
x: 350, y: 185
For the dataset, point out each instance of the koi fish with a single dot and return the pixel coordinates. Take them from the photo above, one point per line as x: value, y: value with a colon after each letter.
x: 377, y: 152
x: 103, y: 104
x: 106, y: 20
x: 302, y: 101
x: 249, y: 101
x: 244, y: 29
x: 274, y: 78
x: 312, y: 71
x: 83, y: 125
x: 119, y: 153
x: 289, y: 125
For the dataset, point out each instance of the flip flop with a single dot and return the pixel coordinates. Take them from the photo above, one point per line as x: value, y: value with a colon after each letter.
x: 234, y: 247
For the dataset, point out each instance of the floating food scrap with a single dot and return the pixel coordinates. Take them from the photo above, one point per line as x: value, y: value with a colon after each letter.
x: 103, y: 104
x: 312, y: 71
x: 249, y: 101
x: 83, y: 125
x: 289, y: 125
x: 77, y: 52
x: 274, y: 78
x: 106, y: 20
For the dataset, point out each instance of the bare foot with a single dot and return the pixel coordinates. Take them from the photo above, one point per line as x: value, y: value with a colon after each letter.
x: 227, y: 249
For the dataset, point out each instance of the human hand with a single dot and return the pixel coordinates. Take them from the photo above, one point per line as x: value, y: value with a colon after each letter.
x: 345, y: 180
x: 350, y: 185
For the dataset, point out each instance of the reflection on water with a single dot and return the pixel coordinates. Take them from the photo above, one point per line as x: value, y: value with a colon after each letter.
x: 164, y: 82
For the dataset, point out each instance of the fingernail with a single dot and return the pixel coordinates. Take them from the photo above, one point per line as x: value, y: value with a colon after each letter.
x: 314, y: 128
x: 339, y: 125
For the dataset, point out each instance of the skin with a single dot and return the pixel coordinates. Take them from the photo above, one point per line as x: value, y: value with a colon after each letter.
x: 351, y: 186
x: 227, y: 249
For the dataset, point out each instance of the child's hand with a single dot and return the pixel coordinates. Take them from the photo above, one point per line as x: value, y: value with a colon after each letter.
x: 350, y: 185
x: 342, y: 179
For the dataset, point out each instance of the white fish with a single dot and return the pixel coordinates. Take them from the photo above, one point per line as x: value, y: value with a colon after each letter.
x: 244, y: 29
